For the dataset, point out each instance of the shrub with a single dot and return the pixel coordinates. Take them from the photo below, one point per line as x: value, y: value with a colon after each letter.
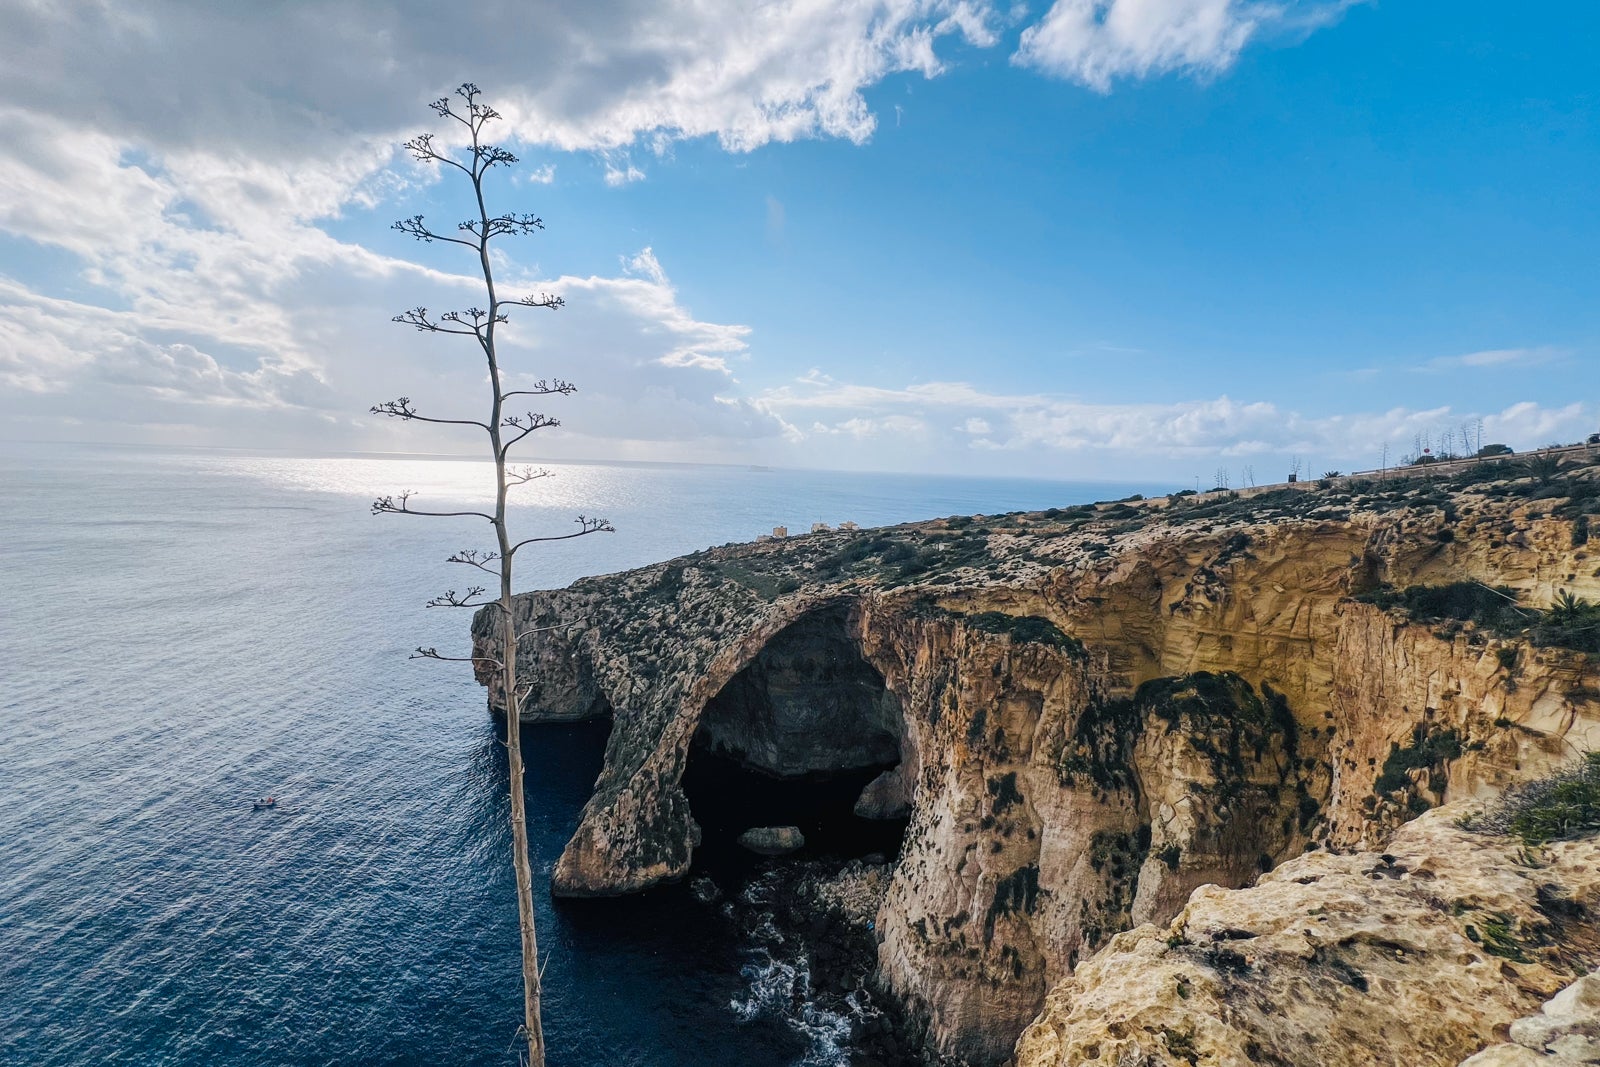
x: 1027, y: 628
x: 1495, y: 609
x: 1429, y: 751
x: 1564, y: 805
x: 1542, y: 469
x: 898, y: 553
x: 1571, y: 622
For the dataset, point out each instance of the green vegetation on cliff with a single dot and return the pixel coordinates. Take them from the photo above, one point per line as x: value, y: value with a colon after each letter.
x: 1027, y: 628
x: 1571, y: 622
x: 1565, y: 805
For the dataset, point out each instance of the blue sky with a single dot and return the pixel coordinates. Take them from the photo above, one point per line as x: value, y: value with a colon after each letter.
x: 1111, y: 238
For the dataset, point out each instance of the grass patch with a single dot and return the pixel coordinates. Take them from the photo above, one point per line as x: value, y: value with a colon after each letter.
x: 1494, y: 932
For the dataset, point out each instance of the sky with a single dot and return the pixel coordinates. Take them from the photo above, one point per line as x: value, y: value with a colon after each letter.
x: 1188, y: 240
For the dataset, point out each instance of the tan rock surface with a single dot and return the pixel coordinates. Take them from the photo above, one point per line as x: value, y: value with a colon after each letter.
x: 1420, y: 956
x: 1566, y: 1031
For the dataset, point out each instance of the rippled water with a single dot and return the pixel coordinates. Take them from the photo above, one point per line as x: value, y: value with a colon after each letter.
x: 182, y: 632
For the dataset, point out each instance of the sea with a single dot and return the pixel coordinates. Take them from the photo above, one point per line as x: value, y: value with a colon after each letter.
x: 183, y: 631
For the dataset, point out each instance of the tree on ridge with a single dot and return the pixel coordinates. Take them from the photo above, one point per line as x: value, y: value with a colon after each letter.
x: 503, y: 430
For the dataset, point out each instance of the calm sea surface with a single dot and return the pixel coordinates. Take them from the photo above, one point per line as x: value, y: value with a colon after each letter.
x: 182, y: 632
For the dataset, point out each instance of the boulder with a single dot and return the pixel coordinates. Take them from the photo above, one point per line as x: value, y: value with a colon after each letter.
x: 773, y: 840
x: 1566, y: 1031
x: 884, y: 797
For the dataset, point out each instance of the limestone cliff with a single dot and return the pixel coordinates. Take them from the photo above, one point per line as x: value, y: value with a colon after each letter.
x: 1422, y: 955
x: 1087, y: 713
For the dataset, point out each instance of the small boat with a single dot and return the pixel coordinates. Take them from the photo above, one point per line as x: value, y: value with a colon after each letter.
x: 266, y: 802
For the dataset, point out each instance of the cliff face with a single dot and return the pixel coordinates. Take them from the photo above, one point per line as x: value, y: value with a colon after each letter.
x: 1087, y: 714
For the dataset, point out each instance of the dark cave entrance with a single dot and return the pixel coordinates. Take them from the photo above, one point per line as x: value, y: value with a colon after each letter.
x: 793, y: 739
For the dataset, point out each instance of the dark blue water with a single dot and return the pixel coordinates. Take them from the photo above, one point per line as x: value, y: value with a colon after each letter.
x: 182, y: 632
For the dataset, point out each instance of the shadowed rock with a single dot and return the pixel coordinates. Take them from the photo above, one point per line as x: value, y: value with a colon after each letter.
x: 773, y: 840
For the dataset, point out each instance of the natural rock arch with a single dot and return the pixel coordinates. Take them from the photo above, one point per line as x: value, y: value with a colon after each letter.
x: 796, y: 734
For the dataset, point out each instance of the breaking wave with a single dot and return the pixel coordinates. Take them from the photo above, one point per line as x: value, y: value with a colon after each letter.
x: 777, y: 976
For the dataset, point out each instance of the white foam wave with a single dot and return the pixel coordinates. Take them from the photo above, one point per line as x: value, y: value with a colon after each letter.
x: 781, y: 989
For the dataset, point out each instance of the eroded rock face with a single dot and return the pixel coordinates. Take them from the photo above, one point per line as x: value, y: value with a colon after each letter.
x: 808, y: 703
x: 1421, y: 955
x: 1093, y: 712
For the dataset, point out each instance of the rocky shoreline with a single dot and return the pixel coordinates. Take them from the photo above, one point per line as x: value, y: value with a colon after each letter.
x: 809, y: 928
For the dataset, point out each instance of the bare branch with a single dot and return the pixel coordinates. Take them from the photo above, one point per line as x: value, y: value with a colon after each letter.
x: 434, y: 653
x: 536, y: 630
x: 402, y: 409
x: 523, y: 475
x: 419, y: 318
x: 472, y: 557
x: 451, y: 599
x: 488, y: 155
x: 422, y: 150
x: 388, y: 505
x: 474, y: 319
x: 1502, y: 596
x: 525, y: 424
x: 539, y: 300
x: 415, y: 227
x: 543, y: 387
x: 586, y: 526
x: 501, y: 225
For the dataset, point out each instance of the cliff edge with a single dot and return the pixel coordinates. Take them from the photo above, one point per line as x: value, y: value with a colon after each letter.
x: 1087, y: 714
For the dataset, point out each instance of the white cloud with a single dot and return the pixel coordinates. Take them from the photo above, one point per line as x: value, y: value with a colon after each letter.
x: 622, y: 172
x: 576, y: 76
x: 647, y: 369
x: 1096, y: 42
x: 1498, y: 357
x: 193, y: 199
x: 818, y: 390
x: 862, y: 429
x: 323, y: 77
x: 1134, y: 435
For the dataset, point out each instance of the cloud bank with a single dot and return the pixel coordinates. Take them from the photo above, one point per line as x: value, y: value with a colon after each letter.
x: 1038, y: 430
x: 1097, y: 42
x: 168, y: 173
